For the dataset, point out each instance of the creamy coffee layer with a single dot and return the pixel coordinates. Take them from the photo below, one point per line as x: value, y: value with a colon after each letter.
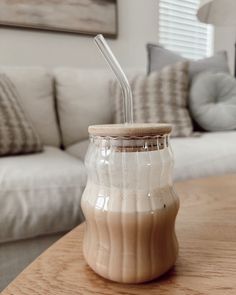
x: 129, y: 245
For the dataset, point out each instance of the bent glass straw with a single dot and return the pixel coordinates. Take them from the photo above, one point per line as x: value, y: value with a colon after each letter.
x: 120, y: 75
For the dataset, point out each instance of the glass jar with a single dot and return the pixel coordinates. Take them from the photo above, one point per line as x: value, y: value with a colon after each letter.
x: 129, y: 203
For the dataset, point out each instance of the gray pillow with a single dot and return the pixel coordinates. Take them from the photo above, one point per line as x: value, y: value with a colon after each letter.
x: 213, y: 101
x: 159, y: 57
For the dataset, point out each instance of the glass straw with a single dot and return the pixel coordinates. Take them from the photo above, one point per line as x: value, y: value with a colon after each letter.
x: 120, y: 75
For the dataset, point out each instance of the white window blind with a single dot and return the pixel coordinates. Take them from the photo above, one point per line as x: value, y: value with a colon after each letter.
x: 180, y: 31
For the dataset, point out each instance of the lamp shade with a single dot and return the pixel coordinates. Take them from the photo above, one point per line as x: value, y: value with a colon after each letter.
x: 217, y: 12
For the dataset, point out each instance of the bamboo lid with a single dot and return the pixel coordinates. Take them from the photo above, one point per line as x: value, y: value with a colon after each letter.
x: 144, y: 129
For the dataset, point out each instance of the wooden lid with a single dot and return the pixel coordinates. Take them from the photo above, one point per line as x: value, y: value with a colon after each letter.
x: 144, y: 129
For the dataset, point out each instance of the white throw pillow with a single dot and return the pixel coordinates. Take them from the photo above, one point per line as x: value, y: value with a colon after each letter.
x: 213, y: 101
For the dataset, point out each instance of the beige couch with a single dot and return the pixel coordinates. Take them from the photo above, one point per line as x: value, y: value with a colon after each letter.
x: 40, y: 194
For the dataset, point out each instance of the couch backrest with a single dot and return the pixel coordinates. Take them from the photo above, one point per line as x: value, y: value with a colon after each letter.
x: 83, y: 99
x: 35, y: 87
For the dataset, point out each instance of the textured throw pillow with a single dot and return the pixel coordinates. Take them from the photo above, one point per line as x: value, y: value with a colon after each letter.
x: 17, y: 135
x: 159, y: 57
x: 158, y: 98
x: 213, y: 101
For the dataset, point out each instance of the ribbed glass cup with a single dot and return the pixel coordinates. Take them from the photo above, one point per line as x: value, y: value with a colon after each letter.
x: 130, y: 207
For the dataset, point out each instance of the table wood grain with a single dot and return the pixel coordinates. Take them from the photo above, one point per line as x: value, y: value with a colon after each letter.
x: 206, y: 230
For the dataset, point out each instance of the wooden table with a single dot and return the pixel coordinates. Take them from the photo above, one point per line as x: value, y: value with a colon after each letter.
x: 206, y: 229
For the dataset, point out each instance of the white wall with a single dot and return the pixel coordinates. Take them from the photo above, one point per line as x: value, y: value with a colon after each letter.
x: 225, y: 38
x: 138, y: 24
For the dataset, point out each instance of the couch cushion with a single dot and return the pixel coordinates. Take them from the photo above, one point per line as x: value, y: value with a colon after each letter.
x: 40, y: 194
x: 210, y: 154
x: 83, y: 100
x: 79, y: 149
x: 35, y: 87
x: 207, y: 155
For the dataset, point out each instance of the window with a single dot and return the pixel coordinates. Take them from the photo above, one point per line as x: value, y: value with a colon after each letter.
x: 180, y: 31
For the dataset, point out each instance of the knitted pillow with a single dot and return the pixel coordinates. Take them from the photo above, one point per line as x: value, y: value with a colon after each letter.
x: 160, y: 97
x: 17, y: 135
